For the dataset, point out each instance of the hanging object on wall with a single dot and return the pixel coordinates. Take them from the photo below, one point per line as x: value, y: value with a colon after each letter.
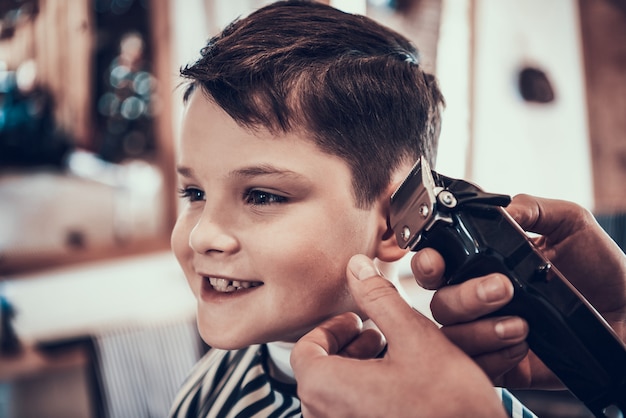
x: 534, y: 86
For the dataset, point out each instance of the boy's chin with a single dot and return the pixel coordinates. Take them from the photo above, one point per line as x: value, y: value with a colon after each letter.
x: 240, y: 343
x: 226, y: 344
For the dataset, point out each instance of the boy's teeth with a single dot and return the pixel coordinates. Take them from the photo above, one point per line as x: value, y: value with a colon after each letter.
x: 224, y: 285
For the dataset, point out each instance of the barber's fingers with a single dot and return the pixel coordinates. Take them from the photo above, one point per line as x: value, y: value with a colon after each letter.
x: 471, y: 299
x: 368, y: 344
x: 488, y: 334
x: 505, y: 367
x: 329, y: 338
x: 317, y: 370
x: 526, y: 210
x: 381, y: 302
x: 428, y: 267
x: 496, y: 344
x: 546, y: 216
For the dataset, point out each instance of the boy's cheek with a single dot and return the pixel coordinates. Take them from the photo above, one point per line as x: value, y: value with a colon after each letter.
x: 174, y: 236
x: 179, y: 242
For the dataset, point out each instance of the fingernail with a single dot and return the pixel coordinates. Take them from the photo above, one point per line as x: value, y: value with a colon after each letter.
x: 510, y: 328
x: 363, y: 268
x: 492, y: 289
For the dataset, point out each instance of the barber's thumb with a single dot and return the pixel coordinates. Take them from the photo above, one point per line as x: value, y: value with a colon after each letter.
x: 362, y: 267
x: 380, y: 301
x: 368, y: 287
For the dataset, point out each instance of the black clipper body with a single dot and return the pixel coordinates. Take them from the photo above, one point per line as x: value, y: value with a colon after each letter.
x: 476, y: 236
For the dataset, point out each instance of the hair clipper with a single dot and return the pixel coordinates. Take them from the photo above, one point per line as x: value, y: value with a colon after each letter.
x: 476, y: 236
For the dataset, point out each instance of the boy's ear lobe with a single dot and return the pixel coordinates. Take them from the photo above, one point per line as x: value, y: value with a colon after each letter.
x: 388, y: 249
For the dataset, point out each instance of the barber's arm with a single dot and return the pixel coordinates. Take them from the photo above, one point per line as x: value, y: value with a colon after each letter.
x: 421, y: 374
x: 574, y: 242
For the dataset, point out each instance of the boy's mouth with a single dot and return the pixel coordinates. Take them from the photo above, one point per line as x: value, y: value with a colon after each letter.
x: 229, y: 286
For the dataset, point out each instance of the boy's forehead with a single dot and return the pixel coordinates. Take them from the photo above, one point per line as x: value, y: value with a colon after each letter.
x: 203, y: 115
x: 206, y: 125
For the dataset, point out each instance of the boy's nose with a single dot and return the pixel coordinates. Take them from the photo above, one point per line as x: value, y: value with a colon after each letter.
x: 209, y: 236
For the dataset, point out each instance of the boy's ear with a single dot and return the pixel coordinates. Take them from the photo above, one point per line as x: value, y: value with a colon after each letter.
x: 388, y: 249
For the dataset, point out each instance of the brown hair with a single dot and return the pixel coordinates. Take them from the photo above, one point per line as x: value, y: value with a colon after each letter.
x: 353, y: 86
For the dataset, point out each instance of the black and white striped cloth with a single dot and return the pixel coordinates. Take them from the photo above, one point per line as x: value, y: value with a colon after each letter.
x: 236, y: 384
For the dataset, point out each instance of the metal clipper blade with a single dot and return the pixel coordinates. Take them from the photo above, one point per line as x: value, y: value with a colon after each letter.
x: 413, y: 205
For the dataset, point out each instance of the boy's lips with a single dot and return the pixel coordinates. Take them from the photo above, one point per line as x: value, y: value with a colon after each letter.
x: 226, y: 285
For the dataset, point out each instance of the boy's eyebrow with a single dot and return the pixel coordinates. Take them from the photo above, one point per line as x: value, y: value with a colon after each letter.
x: 263, y: 170
x: 252, y: 171
x: 184, y: 171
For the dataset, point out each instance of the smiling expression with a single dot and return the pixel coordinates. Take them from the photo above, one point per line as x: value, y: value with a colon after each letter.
x: 266, y: 228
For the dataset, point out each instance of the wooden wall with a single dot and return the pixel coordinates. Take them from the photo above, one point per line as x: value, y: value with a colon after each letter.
x: 60, y: 38
x: 603, y: 25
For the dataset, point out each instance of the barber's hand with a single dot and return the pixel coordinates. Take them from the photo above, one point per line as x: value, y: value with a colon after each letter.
x: 574, y: 242
x: 421, y: 374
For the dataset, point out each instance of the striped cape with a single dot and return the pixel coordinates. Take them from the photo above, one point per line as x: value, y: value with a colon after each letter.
x: 236, y: 384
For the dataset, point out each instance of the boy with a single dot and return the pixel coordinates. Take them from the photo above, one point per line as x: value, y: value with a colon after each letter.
x: 300, y: 121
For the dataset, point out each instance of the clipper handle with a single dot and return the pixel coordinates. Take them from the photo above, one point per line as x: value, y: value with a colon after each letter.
x: 565, y: 331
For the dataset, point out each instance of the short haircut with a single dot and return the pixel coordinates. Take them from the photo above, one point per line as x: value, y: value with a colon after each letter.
x: 349, y: 84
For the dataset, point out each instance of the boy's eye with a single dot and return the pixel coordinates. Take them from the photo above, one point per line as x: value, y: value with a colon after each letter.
x: 259, y: 197
x: 192, y: 194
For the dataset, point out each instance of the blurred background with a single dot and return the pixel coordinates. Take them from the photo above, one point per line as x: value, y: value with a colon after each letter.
x: 96, y: 319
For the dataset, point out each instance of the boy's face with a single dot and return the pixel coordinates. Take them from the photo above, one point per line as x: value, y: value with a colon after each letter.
x: 266, y: 229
